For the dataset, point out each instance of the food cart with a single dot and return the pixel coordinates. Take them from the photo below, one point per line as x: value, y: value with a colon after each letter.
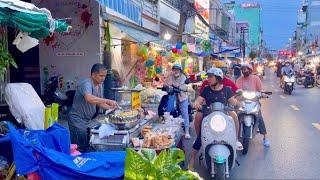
x: 132, y: 126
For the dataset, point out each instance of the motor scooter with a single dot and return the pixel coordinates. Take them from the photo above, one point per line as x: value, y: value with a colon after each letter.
x: 300, y: 77
x: 309, y: 80
x: 52, y: 94
x: 288, y: 83
x: 169, y: 103
x: 248, y: 115
x: 219, y: 141
x: 260, y: 71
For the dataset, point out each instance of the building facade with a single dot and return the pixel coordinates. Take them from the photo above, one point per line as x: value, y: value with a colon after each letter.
x: 250, y: 14
x: 312, y: 32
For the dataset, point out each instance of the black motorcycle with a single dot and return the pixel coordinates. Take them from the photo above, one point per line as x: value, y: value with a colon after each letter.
x: 52, y: 94
x: 300, y: 77
x: 168, y: 103
x: 309, y: 79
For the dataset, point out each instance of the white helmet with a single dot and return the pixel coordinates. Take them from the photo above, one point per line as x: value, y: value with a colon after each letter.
x: 216, y: 72
x: 247, y: 66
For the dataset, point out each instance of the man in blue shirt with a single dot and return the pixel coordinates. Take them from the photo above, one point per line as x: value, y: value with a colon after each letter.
x: 88, y: 101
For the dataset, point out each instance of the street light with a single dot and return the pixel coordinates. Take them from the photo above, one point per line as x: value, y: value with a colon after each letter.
x: 167, y: 36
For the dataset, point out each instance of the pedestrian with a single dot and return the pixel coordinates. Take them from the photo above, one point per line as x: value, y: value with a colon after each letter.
x: 116, y: 83
x: 236, y: 70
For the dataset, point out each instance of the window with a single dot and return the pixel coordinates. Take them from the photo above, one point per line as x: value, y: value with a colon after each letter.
x: 175, y: 3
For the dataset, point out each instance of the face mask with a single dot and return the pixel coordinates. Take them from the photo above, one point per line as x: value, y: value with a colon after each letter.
x: 176, y: 74
x: 246, y: 74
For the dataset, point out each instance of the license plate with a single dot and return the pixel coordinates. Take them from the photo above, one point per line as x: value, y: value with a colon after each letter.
x: 289, y: 84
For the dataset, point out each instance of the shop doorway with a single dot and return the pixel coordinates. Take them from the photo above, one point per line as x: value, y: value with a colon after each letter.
x: 28, y: 63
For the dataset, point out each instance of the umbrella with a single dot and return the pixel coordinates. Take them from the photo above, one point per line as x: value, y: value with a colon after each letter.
x: 38, y: 23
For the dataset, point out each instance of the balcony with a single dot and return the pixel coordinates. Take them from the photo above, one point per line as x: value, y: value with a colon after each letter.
x: 127, y: 8
x: 221, y: 32
x: 174, y: 3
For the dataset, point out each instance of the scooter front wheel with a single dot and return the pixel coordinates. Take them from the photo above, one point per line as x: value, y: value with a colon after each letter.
x: 246, y: 139
x: 220, y: 171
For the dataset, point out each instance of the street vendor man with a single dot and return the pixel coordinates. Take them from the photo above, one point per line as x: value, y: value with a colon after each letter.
x: 87, y: 103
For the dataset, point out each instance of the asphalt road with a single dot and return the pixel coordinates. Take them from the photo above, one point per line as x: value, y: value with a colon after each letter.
x: 293, y: 125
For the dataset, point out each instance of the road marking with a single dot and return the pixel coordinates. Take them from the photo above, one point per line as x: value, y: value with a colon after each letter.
x: 282, y: 97
x: 316, y: 125
x: 294, y: 107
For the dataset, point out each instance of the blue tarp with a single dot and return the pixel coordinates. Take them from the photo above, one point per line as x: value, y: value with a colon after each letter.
x: 214, y: 54
x: 47, y: 153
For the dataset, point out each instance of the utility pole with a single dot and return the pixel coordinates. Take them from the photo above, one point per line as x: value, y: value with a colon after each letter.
x: 243, y: 43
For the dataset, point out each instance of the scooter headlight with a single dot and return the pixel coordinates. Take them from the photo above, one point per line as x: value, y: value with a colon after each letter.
x: 292, y: 79
x: 218, y: 123
x: 249, y: 95
x: 259, y: 69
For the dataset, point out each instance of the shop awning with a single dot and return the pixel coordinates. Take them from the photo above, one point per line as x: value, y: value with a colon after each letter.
x: 26, y: 17
x: 137, y: 35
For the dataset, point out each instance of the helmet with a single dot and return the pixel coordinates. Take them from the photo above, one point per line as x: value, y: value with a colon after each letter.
x: 177, y: 66
x: 216, y: 72
x: 287, y: 62
x: 247, y: 66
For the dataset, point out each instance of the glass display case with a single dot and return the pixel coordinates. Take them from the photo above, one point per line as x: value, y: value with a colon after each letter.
x: 129, y: 99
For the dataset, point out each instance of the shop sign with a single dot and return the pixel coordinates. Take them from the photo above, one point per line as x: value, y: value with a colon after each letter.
x: 70, y: 54
x: 202, y: 6
x: 156, y: 46
x: 250, y: 5
x: 201, y: 30
x: 136, y: 101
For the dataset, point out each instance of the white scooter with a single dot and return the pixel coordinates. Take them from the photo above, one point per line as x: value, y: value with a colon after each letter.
x: 219, y: 139
x: 288, y: 83
x: 248, y: 116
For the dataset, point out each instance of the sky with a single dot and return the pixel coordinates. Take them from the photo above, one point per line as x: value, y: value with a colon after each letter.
x: 279, y: 19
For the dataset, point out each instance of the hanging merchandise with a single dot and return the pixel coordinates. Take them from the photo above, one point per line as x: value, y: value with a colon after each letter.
x: 158, y: 64
x: 206, y: 46
x: 24, y: 42
x: 168, y: 47
x: 143, y: 52
x: 140, y: 70
x: 158, y: 70
x: 174, y: 50
x: 185, y: 48
x: 152, y: 53
x: 149, y: 62
x: 179, y: 45
x: 134, y: 81
x: 150, y: 72
x: 163, y: 53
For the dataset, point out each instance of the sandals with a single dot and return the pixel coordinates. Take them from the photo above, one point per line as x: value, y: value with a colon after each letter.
x: 239, y: 146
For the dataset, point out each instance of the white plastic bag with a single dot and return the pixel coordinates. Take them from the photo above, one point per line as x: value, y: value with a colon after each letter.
x: 25, y: 105
x: 24, y: 42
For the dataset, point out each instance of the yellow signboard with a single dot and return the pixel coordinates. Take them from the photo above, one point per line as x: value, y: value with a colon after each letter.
x: 136, y: 101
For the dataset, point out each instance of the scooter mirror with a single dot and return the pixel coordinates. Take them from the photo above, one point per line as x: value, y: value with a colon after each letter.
x: 239, y: 92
